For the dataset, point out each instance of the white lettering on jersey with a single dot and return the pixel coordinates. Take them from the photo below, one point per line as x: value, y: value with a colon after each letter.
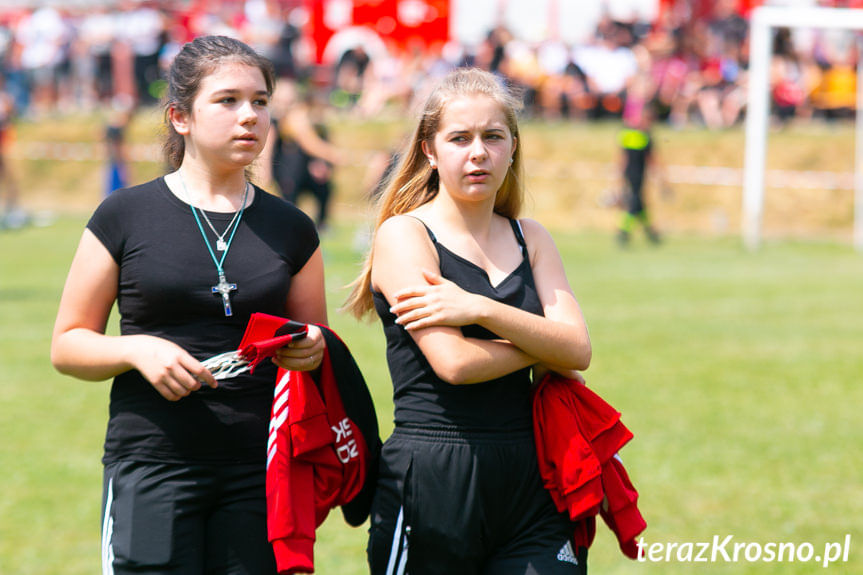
x: 346, y: 449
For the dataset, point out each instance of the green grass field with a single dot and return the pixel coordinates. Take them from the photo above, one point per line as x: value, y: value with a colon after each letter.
x: 738, y: 372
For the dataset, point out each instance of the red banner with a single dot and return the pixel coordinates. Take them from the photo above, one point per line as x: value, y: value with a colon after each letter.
x: 398, y: 24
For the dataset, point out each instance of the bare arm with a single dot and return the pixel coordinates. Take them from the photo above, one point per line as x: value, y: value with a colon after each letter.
x: 559, y: 338
x: 302, y: 130
x: 402, y: 250
x: 80, y: 348
x: 307, y: 304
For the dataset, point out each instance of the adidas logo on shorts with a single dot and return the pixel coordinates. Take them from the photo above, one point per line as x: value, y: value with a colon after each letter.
x: 567, y: 555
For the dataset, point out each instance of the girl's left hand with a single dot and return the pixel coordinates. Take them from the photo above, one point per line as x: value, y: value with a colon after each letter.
x: 303, y: 354
x: 438, y: 303
x: 541, y: 370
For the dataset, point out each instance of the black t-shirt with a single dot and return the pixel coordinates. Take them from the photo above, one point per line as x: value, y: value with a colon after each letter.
x: 421, y: 397
x: 165, y: 281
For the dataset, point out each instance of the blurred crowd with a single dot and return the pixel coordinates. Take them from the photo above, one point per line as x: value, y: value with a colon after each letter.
x: 79, y: 56
x: 693, y: 70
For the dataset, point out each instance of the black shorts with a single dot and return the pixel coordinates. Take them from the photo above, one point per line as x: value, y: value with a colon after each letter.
x: 456, y: 503
x: 185, y: 519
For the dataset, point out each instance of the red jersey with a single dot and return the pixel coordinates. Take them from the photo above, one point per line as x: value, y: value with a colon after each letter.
x: 577, y: 437
x: 319, y: 456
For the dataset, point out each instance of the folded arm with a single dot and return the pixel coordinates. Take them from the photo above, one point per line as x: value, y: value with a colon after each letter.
x: 402, y: 250
x: 558, y: 339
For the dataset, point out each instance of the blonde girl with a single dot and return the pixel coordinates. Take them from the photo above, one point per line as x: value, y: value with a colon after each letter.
x: 472, y: 299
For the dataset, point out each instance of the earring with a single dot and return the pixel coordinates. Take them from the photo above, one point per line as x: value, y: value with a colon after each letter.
x: 433, y: 164
x: 511, y: 160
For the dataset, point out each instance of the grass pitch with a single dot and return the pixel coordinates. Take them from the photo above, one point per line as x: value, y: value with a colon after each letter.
x: 739, y: 374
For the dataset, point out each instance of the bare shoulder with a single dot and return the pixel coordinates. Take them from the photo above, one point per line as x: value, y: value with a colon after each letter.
x: 536, y: 235
x: 402, y: 249
x: 400, y: 229
x: 545, y: 259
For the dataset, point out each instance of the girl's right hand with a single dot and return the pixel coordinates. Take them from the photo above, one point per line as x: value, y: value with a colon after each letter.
x: 440, y: 302
x: 170, y: 369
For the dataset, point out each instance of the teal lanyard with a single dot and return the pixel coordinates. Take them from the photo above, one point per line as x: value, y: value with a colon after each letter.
x: 223, y: 288
x: 220, y: 262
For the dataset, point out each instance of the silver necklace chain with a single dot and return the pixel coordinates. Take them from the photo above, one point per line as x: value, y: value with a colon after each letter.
x: 223, y: 288
x: 220, y: 238
x: 221, y: 245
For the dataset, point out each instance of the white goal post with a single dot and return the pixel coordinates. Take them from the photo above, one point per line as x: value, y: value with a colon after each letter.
x: 763, y: 20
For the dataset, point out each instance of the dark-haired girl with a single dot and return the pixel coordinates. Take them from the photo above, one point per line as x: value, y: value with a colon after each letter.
x: 188, y: 257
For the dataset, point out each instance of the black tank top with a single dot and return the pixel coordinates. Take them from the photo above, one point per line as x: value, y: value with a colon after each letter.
x: 421, y: 397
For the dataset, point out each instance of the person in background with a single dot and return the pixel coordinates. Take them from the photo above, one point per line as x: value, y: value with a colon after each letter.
x: 638, y: 156
x: 120, y: 117
x: 472, y: 299
x: 790, y: 76
x: 11, y: 216
x: 299, y: 154
x: 187, y: 258
x: 349, y: 77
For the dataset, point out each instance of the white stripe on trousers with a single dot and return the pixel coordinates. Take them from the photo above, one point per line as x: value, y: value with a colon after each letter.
x: 399, y: 550
x: 108, y: 532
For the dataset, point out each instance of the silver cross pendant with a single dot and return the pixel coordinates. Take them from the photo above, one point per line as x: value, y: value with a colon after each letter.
x: 224, y: 289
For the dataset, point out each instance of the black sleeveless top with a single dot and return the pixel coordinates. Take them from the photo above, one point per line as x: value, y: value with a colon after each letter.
x: 421, y: 397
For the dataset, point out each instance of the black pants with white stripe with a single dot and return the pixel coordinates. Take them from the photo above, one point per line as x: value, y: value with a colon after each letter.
x: 185, y: 519
x: 466, y: 503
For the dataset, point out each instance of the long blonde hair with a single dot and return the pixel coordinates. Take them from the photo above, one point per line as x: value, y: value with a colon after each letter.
x: 414, y: 183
